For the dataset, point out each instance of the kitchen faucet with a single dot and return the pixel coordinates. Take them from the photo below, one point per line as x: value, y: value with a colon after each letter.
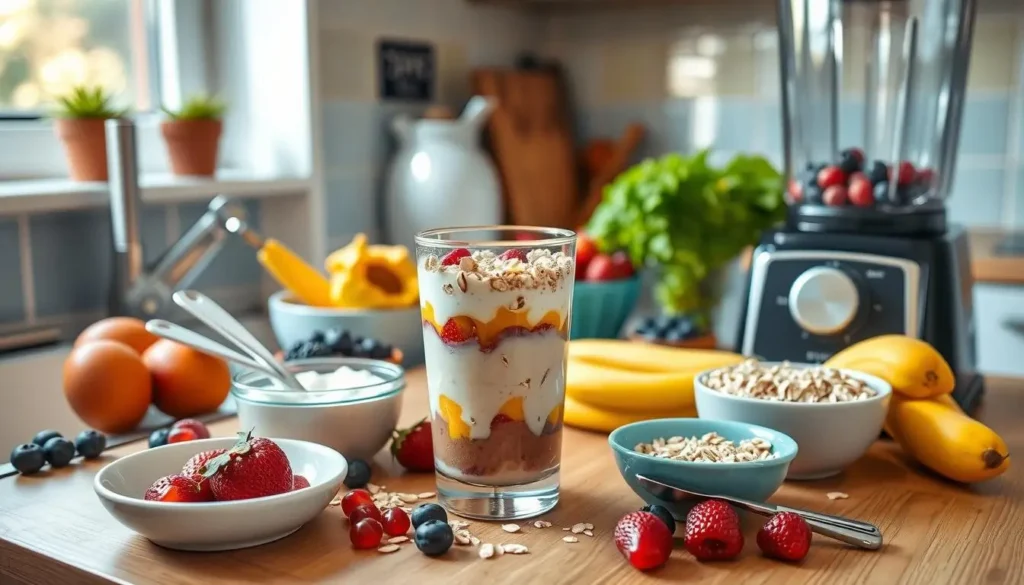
x: 145, y: 291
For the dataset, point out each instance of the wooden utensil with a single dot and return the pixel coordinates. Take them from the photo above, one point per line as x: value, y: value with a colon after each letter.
x: 532, y: 142
x: 616, y: 163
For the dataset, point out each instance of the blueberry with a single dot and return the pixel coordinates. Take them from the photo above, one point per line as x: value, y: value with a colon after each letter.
x: 28, y: 458
x: 43, y: 436
x: 381, y: 352
x: 158, y: 438
x: 59, y: 451
x: 848, y: 162
x: 90, y: 444
x: 878, y: 172
x: 663, y: 514
x: 317, y: 336
x: 434, y: 537
x: 357, y: 347
x: 339, y: 340
x: 305, y: 350
x: 686, y: 328
x: 358, y: 474
x: 881, y: 192
x: 426, y: 512
x: 812, y: 194
x: 367, y: 346
x: 674, y: 335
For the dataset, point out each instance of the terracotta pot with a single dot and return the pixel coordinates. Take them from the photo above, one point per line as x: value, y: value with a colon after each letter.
x: 85, y: 143
x: 192, y: 145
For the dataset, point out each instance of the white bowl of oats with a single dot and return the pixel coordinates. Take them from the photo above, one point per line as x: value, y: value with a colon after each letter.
x: 833, y: 415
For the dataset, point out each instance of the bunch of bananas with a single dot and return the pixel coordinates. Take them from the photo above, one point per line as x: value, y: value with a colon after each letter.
x: 611, y: 383
x: 923, y: 418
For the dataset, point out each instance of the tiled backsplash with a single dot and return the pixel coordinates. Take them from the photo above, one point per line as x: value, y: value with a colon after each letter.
x: 62, y: 273
x: 624, y: 65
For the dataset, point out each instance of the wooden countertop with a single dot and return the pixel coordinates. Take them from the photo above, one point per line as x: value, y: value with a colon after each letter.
x: 54, y: 530
x: 989, y: 267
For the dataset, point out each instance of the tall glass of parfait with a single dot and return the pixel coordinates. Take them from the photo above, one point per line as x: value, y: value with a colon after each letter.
x: 496, y: 307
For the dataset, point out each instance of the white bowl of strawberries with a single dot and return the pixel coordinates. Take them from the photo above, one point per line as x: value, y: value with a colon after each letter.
x: 221, y: 494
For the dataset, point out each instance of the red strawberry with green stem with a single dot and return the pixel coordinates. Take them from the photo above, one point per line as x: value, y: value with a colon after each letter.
x: 644, y: 540
x: 252, y: 468
x: 176, y: 489
x: 195, y: 464
x: 414, y: 447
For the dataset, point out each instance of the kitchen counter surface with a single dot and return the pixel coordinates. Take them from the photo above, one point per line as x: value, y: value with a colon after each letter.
x: 990, y: 267
x: 54, y: 530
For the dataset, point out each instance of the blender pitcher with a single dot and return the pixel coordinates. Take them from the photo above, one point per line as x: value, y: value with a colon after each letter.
x: 893, y: 173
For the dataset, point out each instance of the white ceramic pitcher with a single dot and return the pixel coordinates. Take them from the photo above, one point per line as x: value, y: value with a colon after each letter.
x: 440, y: 176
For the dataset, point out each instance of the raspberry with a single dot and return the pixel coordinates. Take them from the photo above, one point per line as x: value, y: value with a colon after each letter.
x: 511, y: 253
x: 830, y: 176
x: 644, y: 540
x: 785, y: 536
x: 452, y: 258
x: 713, y: 531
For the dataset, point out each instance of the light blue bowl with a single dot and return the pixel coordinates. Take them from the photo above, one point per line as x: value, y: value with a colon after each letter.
x: 600, y: 308
x: 752, y: 480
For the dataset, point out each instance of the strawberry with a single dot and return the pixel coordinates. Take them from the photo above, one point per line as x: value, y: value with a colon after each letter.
x: 785, y: 536
x: 193, y: 465
x: 643, y: 539
x: 414, y: 447
x: 178, y: 489
x: 252, y: 468
x: 614, y: 267
x: 457, y: 330
x: 713, y: 531
x: 500, y: 419
x: 586, y: 250
x: 452, y: 258
x: 831, y: 176
x: 905, y: 173
x: 195, y: 426
x: 299, y: 482
x: 516, y: 253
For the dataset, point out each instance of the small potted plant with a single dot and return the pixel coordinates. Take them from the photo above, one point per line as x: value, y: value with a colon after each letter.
x: 192, y: 134
x: 79, y: 125
x: 687, y: 220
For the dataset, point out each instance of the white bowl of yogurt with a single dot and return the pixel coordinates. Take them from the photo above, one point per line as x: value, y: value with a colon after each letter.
x: 350, y: 404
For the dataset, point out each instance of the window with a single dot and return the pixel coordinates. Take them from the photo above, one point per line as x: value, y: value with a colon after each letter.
x: 49, y: 46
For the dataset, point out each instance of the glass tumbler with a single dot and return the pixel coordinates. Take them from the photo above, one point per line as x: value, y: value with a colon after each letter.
x: 496, y: 305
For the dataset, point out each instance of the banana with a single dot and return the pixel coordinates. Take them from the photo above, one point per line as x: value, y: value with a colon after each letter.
x: 941, y: 437
x: 587, y: 417
x: 913, y: 368
x: 644, y: 357
x: 622, y: 390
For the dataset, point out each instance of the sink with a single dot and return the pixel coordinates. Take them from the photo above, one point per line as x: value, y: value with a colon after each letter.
x: 32, y: 395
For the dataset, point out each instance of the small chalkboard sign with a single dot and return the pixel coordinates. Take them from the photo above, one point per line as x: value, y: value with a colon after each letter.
x: 407, y: 70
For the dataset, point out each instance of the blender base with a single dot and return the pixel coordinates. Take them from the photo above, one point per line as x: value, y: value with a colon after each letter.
x: 912, y: 220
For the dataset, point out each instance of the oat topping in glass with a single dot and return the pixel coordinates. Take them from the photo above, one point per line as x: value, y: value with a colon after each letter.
x: 496, y: 304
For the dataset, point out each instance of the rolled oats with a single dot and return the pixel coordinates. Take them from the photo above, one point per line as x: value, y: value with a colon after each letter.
x: 588, y: 532
x: 787, y: 383
x: 426, y: 495
x: 837, y: 495
x: 710, y: 448
x: 388, y: 548
x: 541, y: 524
x: 462, y: 537
x: 515, y: 549
x: 398, y: 539
x: 570, y: 539
x: 510, y: 527
x: 578, y: 528
x: 487, y: 551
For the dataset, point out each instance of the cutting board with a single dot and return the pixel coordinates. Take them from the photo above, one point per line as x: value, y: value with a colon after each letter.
x: 532, y: 141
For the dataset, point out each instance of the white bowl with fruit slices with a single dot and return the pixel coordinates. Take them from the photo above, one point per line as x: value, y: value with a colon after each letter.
x: 220, y: 525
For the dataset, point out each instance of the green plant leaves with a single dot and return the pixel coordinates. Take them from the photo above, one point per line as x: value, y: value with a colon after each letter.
x: 198, y: 107
x: 688, y: 218
x: 87, y: 102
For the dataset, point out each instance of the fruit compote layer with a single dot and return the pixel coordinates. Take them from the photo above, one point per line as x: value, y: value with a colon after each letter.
x: 495, y: 330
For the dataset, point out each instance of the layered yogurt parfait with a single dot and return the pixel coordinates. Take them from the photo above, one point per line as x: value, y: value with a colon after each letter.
x: 496, y: 314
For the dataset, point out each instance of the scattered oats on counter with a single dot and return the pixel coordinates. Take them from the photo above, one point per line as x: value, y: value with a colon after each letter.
x: 837, y: 495
x: 787, y: 383
x: 711, y: 448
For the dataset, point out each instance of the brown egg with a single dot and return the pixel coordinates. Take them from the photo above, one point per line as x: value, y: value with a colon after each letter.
x: 107, y: 385
x: 186, y: 382
x: 128, y: 330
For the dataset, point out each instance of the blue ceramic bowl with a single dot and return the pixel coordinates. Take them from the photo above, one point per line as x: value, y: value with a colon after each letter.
x: 752, y: 480
x: 600, y: 308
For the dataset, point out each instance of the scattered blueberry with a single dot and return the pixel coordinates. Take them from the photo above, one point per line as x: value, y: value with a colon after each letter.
x: 90, y: 444
x: 426, y: 512
x: 158, y: 438
x: 358, y: 474
x: 337, y: 342
x: 668, y: 328
x: 878, y: 172
x: 340, y: 341
x: 663, y: 514
x: 59, y: 451
x: 317, y: 337
x: 367, y: 346
x: 812, y: 194
x: 28, y: 458
x: 849, y: 162
x: 305, y: 350
x: 434, y: 537
x: 882, y: 192
x: 43, y: 436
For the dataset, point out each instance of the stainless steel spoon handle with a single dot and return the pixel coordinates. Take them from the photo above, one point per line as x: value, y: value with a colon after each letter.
x: 168, y: 330
x: 209, y: 312
x: 845, y: 530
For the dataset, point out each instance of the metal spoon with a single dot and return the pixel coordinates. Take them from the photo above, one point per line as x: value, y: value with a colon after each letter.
x: 213, y: 315
x: 842, y: 529
x: 174, y: 332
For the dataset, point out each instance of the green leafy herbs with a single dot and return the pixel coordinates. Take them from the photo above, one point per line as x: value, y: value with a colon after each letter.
x: 199, y: 107
x: 87, y: 102
x: 688, y: 218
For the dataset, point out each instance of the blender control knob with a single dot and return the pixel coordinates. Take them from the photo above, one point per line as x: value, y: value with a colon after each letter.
x: 823, y: 300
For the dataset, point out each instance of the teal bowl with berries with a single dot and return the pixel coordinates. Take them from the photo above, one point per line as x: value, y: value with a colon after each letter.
x: 752, y: 480
x: 600, y: 308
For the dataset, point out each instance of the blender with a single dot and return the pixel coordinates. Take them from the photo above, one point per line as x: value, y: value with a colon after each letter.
x: 866, y: 249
